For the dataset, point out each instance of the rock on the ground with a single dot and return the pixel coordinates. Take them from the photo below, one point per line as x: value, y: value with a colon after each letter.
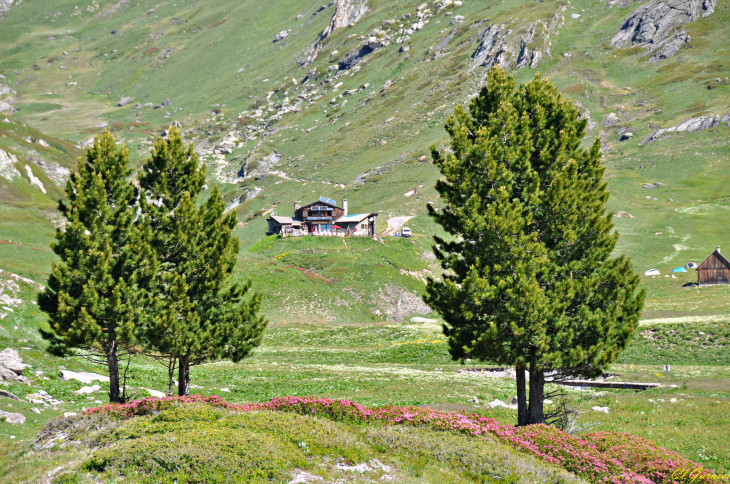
x: 610, y: 120
x: 82, y: 376
x: 5, y: 5
x: 155, y: 393
x: 11, y: 366
x: 689, y: 126
x: 124, y: 101
x: 13, y: 418
x: 7, y: 394
x: 497, y: 403
x: 87, y: 390
x: 652, y: 24
x: 418, y: 319
x: 600, y: 409
x: 347, y: 12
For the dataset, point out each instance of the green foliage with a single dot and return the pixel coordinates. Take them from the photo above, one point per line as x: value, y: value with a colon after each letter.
x: 197, y: 315
x: 532, y: 281
x: 90, y: 296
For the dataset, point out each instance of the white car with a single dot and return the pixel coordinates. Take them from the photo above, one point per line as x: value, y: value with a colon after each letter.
x: 406, y: 232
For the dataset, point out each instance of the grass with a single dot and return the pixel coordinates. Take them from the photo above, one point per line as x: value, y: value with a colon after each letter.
x: 200, y: 443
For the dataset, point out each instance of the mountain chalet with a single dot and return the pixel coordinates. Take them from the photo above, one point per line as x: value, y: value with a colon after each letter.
x: 323, y: 217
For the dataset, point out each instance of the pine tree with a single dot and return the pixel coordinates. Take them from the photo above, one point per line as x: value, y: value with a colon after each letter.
x: 199, y: 314
x: 530, y: 281
x: 90, y: 298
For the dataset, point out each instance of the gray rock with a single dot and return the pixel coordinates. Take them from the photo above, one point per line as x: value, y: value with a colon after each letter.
x: 87, y: 390
x: 658, y: 185
x: 13, y: 418
x: 600, y: 409
x: 281, y: 36
x: 688, y: 126
x: 35, y: 410
x: 11, y: 366
x: 124, y: 101
x: 7, y: 394
x: 82, y: 376
x: 166, y: 102
x: 474, y: 400
x: 347, y: 12
x: 627, y: 136
x: 651, y: 24
x: 354, y: 57
x: 456, y: 19
x: 610, y: 120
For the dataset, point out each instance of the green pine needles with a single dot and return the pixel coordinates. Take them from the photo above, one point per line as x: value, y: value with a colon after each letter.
x: 530, y: 280
x: 148, y: 270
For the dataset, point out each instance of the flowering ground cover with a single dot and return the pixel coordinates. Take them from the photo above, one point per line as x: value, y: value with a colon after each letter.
x: 602, y: 457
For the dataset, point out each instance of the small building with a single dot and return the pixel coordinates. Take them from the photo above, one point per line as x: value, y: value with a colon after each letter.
x: 714, y: 270
x: 323, y: 217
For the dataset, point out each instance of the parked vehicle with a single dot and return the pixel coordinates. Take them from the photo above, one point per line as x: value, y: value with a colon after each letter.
x: 406, y: 232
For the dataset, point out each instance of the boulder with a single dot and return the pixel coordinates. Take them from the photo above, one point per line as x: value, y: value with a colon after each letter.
x: 627, y: 136
x: 456, y: 19
x: 688, y: 126
x: 600, y: 409
x: 11, y: 366
x: 124, y: 101
x: 155, y: 393
x: 422, y: 320
x: 347, y: 13
x: 281, y: 36
x: 87, y: 390
x: 7, y: 394
x: 653, y: 23
x: 610, y: 120
x: 82, y: 376
x: 166, y: 102
x: 13, y: 418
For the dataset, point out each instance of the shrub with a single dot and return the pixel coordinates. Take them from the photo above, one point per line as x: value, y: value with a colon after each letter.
x: 603, y: 457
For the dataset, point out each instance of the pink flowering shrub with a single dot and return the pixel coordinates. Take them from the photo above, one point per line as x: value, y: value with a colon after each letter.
x: 602, y: 457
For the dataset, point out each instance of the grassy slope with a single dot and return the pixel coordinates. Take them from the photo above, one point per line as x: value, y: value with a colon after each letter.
x: 202, y: 444
x: 372, y: 361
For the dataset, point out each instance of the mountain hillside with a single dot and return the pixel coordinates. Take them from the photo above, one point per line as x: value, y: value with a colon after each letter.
x: 304, y: 100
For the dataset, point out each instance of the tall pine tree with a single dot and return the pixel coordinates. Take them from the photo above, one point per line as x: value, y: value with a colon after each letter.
x: 91, y: 298
x: 531, y: 282
x: 199, y: 314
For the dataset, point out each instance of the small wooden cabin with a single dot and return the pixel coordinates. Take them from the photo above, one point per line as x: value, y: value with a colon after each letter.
x: 714, y: 270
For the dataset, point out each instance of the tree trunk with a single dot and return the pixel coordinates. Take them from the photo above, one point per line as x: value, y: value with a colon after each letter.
x: 183, y: 376
x: 522, y: 412
x: 170, y: 372
x: 537, y: 394
x: 113, y: 363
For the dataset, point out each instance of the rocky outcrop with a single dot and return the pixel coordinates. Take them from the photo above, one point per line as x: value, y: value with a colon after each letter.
x: 347, y: 12
x: 689, y: 126
x: 5, y: 5
x: 492, y: 47
x: 82, y: 376
x: 11, y: 366
x: 7, y: 166
x: 354, y: 57
x: 12, y: 418
x: 654, y: 25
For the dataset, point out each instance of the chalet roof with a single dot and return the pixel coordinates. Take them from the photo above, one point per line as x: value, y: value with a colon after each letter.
x: 285, y: 220
x: 320, y: 202
x: 715, y: 256
x: 356, y: 218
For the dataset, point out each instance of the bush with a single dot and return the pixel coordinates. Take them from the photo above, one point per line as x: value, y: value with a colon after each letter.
x: 603, y: 457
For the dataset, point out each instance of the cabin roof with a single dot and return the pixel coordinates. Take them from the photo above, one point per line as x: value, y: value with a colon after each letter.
x: 285, y: 220
x: 716, y: 254
x: 356, y: 218
x: 320, y: 202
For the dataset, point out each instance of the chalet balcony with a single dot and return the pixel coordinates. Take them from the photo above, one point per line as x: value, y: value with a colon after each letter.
x: 319, y: 218
x: 320, y: 208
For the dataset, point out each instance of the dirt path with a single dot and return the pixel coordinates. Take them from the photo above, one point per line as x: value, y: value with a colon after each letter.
x: 394, y: 225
